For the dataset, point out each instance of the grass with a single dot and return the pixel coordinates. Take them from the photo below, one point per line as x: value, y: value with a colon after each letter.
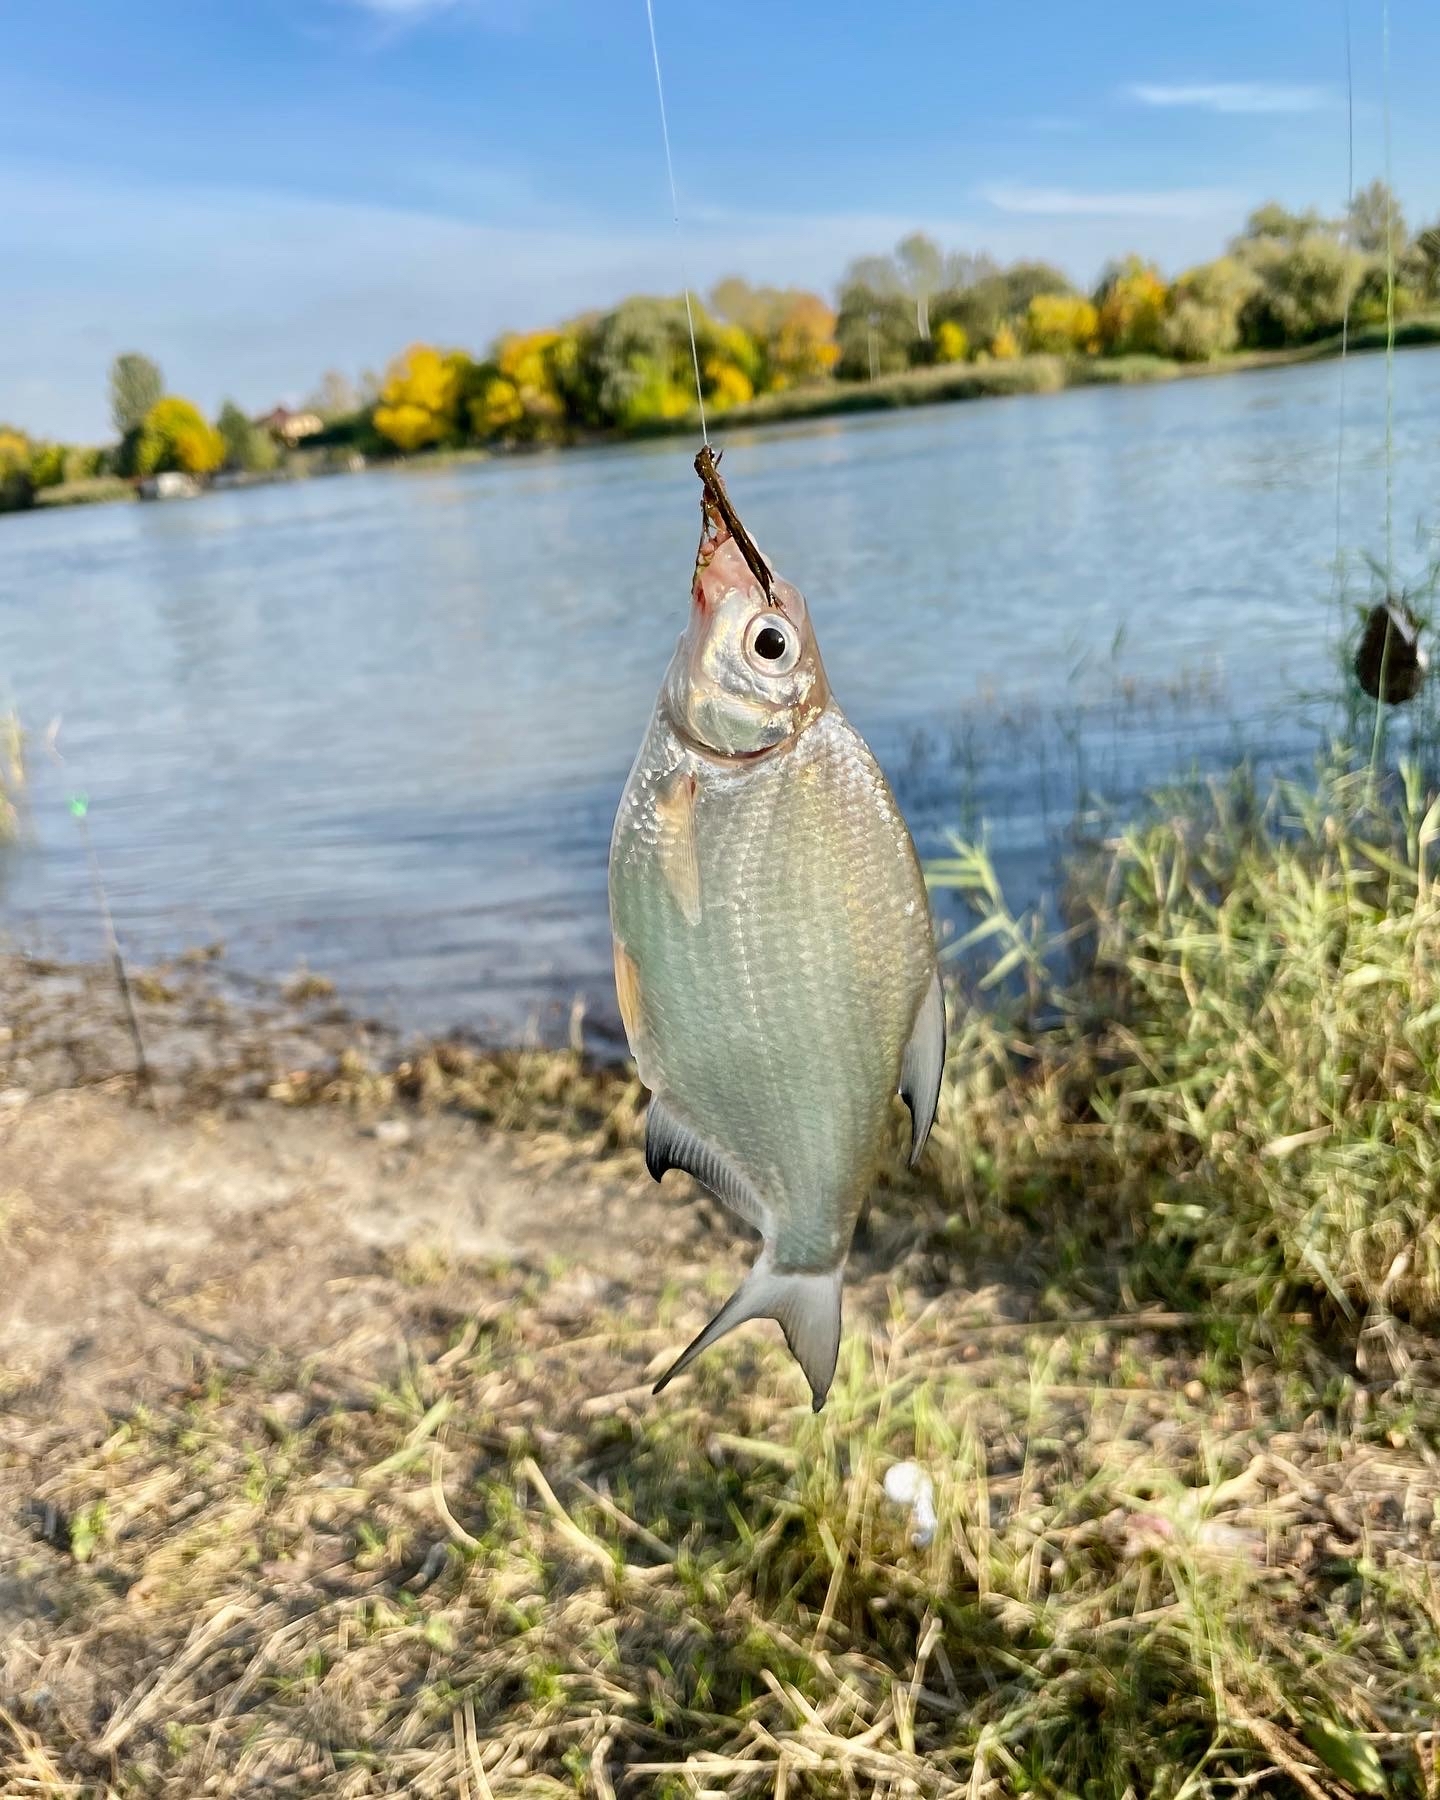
x: 1254, y: 1036
x: 1155, y: 1318
x: 1036, y: 375
x: 93, y: 491
x: 481, y: 1581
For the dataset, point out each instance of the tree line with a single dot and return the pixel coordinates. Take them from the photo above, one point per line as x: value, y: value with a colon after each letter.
x: 1287, y: 278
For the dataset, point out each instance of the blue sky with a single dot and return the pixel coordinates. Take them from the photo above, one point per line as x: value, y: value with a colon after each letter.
x: 255, y: 190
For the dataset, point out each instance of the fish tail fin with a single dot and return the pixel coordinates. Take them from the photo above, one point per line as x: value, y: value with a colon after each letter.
x: 807, y: 1306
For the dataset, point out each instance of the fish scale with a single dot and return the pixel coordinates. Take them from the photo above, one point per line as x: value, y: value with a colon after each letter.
x: 774, y: 952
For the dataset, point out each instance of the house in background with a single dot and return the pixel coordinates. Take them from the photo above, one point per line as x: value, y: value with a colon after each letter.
x: 290, y: 428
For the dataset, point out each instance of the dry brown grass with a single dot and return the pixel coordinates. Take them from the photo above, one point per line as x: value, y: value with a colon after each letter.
x: 509, y: 1570
x: 1188, y: 1507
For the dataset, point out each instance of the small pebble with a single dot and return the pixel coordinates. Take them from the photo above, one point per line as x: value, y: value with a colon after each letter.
x: 392, y: 1133
x: 907, y: 1484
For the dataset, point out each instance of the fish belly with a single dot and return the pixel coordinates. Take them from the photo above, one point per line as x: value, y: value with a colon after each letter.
x: 772, y: 924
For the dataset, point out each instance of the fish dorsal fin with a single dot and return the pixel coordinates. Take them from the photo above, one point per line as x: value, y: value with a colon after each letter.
x: 923, y: 1065
x: 671, y: 1144
x: 807, y: 1305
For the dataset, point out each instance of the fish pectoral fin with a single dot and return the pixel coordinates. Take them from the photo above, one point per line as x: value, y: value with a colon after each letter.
x: 923, y: 1065
x: 677, y: 850
x: 671, y: 1144
x: 807, y: 1306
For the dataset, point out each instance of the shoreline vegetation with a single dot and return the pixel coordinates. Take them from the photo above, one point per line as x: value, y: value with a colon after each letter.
x: 1154, y: 1329
x: 919, y: 326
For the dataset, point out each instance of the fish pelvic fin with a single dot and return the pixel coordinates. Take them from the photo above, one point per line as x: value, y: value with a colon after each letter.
x: 671, y: 1144
x: 805, y: 1302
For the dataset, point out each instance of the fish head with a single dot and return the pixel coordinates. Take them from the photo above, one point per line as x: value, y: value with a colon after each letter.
x: 746, y: 675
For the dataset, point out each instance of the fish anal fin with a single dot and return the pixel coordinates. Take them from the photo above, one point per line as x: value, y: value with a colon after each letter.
x: 923, y: 1065
x: 807, y: 1305
x: 679, y: 854
x: 671, y: 1144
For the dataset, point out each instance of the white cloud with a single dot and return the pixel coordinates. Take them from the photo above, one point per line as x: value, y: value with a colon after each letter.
x: 1073, y: 203
x: 1232, y: 96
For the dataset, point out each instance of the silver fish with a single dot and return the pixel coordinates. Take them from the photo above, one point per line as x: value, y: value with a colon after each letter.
x: 774, y: 957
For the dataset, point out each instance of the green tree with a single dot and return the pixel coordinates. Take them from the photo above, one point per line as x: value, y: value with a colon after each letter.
x: 17, y: 486
x: 739, y: 303
x: 1203, y: 316
x: 634, y: 367
x: 1274, y: 221
x: 1422, y: 264
x: 967, y: 269
x: 1374, y: 220
x: 135, y: 385
x: 47, y: 465
x: 83, y: 462
x: 1022, y: 281
x: 875, y: 332
x: 1303, y: 289
x: 247, y: 447
x: 334, y: 398
x: 922, y: 269
x: 876, y: 274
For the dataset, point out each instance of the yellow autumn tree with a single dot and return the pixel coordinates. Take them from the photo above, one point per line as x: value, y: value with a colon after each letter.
x: 420, y: 398
x: 1005, y: 346
x: 174, y: 434
x: 949, y: 342
x: 519, y: 394
x: 800, y: 342
x: 1132, y: 308
x: 16, y: 487
x: 725, y: 385
x: 1062, y: 324
x: 730, y: 365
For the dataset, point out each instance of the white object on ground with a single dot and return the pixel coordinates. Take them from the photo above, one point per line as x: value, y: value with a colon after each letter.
x: 907, y: 1484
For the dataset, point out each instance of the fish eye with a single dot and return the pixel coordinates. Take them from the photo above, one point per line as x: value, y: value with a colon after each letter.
x: 772, y: 644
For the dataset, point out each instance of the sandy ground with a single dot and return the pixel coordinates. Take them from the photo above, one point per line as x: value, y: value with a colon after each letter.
x: 204, y: 1219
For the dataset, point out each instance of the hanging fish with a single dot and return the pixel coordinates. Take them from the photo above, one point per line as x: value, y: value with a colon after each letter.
x: 1391, y: 662
x: 774, y: 958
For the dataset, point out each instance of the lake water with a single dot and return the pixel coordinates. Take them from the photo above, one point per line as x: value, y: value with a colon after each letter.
x: 377, y: 725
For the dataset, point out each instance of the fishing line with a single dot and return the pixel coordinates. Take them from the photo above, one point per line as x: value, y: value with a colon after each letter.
x: 1345, y: 320
x: 1377, y: 740
x: 1389, y: 318
x: 675, y: 214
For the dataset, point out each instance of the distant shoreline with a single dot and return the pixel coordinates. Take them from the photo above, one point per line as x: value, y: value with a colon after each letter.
x: 946, y: 385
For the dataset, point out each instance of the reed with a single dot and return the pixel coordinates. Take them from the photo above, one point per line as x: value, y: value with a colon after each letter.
x: 12, y: 775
